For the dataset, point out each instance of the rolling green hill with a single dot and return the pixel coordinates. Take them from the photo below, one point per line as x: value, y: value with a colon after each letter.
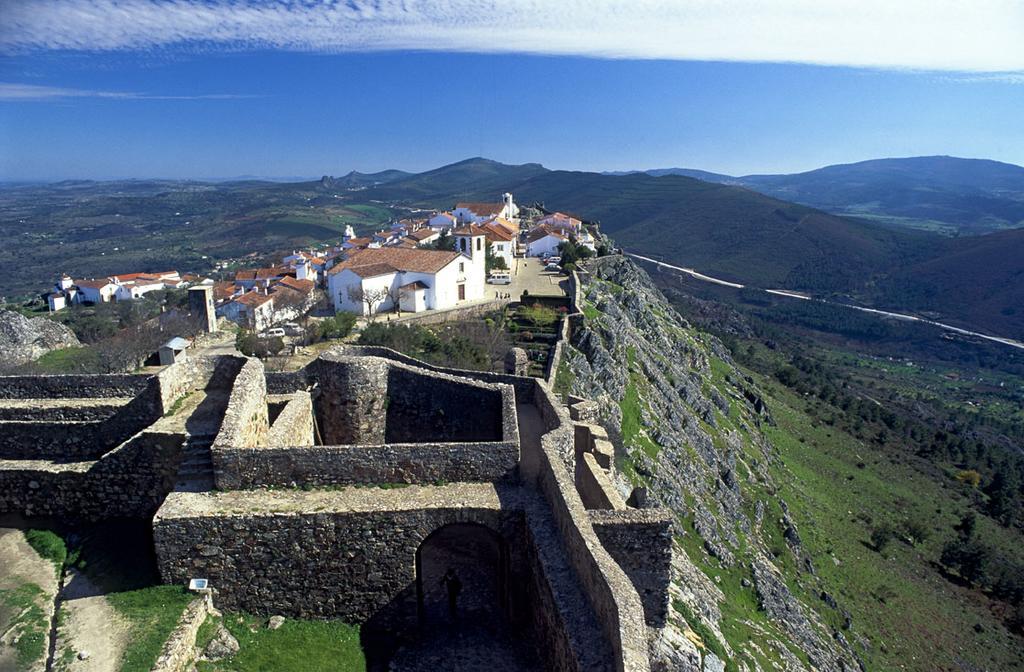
x: 946, y: 194
x: 728, y: 231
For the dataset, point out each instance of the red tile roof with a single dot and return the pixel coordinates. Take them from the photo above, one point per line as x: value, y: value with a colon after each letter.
x: 481, y: 209
x: 93, y: 284
x: 253, y: 299
x: 469, y: 230
x: 373, y: 262
x: 419, y: 284
x: 304, y: 286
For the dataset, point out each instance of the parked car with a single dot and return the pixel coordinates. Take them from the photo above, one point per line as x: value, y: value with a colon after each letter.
x: 499, y: 278
x: 292, y: 329
x: 554, y: 260
x: 553, y: 267
x: 272, y: 333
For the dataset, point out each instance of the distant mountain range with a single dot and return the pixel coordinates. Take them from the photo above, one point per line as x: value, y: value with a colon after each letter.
x: 737, y: 233
x: 946, y: 194
x: 724, y: 229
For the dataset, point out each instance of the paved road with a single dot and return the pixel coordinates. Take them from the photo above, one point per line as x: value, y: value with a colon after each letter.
x: 529, y: 274
x: 805, y: 297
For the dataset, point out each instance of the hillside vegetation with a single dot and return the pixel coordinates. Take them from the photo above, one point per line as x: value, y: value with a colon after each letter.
x: 804, y: 541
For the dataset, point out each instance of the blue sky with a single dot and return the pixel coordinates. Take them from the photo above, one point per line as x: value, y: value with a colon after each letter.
x: 92, y: 98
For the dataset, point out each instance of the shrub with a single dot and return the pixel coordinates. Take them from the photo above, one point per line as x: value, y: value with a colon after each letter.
x: 880, y: 537
x: 339, y: 326
x: 969, y: 477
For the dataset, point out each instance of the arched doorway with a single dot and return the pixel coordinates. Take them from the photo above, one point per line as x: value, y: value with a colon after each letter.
x: 461, y: 571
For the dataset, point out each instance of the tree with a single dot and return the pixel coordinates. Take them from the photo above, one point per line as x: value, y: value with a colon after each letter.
x: 339, y: 326
x: 493, y: 262
x: 444, y: 242
x: 370, y: 297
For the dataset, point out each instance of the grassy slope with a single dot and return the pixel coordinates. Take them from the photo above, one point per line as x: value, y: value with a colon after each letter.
x: 912, y: 615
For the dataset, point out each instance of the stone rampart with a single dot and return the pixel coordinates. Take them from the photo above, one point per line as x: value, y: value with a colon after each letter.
x: 640, y: 541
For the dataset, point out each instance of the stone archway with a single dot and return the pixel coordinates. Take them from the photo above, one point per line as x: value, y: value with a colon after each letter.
x: 472, y: 556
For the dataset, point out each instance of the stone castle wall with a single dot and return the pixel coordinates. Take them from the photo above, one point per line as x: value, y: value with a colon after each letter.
x: 130, y: 481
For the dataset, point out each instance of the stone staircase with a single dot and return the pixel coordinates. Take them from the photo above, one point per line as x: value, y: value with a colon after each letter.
x: 195, y: 474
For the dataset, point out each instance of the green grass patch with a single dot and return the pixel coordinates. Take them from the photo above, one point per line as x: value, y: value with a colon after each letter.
x: 48, y: 545
x: 564, y: 378
x: 28, y: 620
x: 591, y: 313
x: 297, y: 646
x: 154, y: 613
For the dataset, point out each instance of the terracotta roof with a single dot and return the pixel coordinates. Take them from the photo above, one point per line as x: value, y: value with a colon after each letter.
x: 304, y: 286
x: 419, y: 284
x: 127, y: 277
x: 93, y: 284
x: 253, y: 299
x: 541, y: 232
x: 223, y: 290
x: 369, y: 263
x: 469, y: 230
x: 505, y: 224
x: 245, y: 275
x: 359, y: 242
x: 481, y: 209
x: 496, y: 233
x: 422, y: 234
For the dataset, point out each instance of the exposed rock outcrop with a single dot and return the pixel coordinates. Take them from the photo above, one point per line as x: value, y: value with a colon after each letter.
x: 24, y: 340
x: 687, y: 425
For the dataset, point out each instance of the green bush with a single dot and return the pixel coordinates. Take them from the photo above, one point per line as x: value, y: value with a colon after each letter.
x: 339, y: 326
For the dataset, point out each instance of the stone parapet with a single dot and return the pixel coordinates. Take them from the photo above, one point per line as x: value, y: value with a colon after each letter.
x: 640, y: 541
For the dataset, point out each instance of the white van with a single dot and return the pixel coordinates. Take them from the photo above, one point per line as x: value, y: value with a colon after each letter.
x: 272, y: 333
x: 500, y: 278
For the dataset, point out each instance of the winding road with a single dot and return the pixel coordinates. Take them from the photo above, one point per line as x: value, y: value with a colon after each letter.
x: 806, y: 297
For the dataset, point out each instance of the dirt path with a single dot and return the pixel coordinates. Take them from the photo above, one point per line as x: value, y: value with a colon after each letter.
x: 90, y: 625
x: 21, y: 566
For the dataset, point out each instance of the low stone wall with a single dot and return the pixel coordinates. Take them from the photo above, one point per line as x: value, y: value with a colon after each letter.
x: 640, y: 541
x: 72, y: 386
x: 455, y: 314
x: 294, y: 425
x: 596, y: 490
x: 425, y: 406
x: 246, y: 421
x: 286, y: 382
x: 129, y: 481
x: 56, y: 438
x: 421, y: 463
x: 179, y: 651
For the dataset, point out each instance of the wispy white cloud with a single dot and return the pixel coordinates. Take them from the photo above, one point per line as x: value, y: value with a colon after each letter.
x: 31, y: 92
x: 951, y: 35
x: 988, y: 78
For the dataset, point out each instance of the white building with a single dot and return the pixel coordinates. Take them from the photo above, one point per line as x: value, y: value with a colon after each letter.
x: 474, y: 213
x: 373, y: 280
x: 442, y: 221
x: 543, y: 240
x: 561, y: 222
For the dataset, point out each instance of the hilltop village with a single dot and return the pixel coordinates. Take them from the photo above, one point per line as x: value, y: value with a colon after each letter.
x: 437, y: 262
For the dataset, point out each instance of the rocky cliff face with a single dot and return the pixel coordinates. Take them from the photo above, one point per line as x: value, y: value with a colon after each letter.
x: 24, y: 340
x: 688, y: 427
